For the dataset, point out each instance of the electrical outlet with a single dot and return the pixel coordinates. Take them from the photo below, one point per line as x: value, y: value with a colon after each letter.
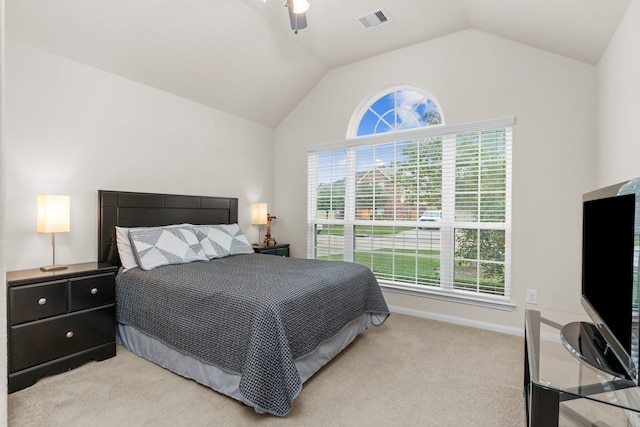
x: 532, y: 296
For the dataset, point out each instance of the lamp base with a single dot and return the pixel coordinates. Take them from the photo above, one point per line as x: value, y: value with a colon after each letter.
x: 56, y: 267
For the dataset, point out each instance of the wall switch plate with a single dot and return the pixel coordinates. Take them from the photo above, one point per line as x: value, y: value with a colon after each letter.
x: 532, y: 296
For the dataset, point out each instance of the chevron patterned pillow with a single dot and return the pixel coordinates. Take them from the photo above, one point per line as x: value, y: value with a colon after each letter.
x: 221, y: 240
x: 158, y: 246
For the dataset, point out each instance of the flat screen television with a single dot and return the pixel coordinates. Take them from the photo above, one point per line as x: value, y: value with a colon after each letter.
x: 610, y: 265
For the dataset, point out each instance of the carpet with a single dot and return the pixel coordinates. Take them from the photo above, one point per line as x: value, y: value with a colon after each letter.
x: 408, y: 372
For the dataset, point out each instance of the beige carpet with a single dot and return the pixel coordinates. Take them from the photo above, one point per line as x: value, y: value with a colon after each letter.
x: 409, y: 372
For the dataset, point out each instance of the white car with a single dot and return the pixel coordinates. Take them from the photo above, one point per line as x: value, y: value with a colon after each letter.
x: 433, y: 216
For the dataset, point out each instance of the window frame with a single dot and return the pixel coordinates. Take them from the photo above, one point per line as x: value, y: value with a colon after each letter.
x: 448, y: 134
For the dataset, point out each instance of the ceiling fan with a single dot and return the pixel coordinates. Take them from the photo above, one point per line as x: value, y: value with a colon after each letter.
x: 297, y: 16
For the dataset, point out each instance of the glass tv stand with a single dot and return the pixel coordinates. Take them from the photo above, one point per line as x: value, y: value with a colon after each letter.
x: 561, y: 390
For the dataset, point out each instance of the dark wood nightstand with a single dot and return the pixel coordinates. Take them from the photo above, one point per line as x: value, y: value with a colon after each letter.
x: 59, y: 320
x: 280, y: 250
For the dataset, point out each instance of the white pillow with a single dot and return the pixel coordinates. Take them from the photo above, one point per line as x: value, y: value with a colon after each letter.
x: 125, y: 252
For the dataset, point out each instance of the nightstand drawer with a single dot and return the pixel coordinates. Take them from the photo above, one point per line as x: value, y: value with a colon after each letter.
x: 279, y: 250
x: 43, y: 341
x: 91, y: 291
x: 37, y: 301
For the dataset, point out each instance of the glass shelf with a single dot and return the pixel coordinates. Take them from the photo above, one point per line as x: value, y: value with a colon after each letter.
x: 560, y: 389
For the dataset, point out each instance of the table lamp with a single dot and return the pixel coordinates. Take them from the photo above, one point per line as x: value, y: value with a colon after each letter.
x: 259, y: 217
x: 53, y: 217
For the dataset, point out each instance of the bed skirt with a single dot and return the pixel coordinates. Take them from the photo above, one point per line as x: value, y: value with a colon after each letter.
x: 225, y: 382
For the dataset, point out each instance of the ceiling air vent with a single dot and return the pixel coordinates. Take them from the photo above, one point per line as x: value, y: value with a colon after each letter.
x: 374, y: 19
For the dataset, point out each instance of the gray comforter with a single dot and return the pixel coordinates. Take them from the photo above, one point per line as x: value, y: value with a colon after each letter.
x: 251, y: 315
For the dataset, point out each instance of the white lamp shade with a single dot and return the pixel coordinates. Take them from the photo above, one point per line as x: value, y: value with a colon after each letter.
x: 259, y: 213
x: 54, y: 213
x: 300, y: 6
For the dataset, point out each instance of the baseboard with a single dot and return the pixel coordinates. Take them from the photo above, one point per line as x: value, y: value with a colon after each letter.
x: 459, y: 320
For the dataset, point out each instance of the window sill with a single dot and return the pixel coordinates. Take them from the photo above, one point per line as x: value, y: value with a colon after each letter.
x: 448, y: 295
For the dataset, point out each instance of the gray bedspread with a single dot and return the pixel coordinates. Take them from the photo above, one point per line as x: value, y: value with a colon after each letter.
x: 251, y: 315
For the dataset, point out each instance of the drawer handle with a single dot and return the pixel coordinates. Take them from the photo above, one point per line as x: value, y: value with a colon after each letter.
x: 69, y: 334
x: 94, y: 291
x: 42, y: 301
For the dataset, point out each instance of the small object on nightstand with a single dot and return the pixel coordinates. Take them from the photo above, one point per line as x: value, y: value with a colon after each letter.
x: 281, y: 250
x: 268, y: 240
x: 59, y: 320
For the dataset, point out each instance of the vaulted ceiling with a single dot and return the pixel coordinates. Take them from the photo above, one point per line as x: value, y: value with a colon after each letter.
x: 240, y: 56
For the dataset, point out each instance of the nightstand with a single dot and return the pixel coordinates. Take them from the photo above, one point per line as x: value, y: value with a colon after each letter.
x: 280, y: 250
x: 59, y: 320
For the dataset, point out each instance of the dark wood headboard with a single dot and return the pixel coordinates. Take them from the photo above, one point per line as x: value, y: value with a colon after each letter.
x: 129, y: 209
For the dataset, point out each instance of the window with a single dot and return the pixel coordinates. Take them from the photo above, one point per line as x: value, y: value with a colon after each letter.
x: 399, y: 108
x: 425, y: 206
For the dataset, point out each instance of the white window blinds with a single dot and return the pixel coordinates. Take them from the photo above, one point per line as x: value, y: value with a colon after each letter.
x: 424, y: 209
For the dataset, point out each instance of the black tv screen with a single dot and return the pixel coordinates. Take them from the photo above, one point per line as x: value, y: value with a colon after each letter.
x: 610, y: 267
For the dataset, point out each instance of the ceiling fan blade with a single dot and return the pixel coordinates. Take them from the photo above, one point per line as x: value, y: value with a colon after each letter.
x: 298, y: 20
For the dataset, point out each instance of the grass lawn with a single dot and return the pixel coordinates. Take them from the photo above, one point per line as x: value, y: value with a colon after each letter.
x: 400, y: 265
x: 422, y: 268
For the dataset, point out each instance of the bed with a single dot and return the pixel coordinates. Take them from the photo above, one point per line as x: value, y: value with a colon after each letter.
x: 252, y: 326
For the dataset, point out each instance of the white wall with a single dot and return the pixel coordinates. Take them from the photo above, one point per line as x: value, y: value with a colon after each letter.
x: 72, y: 129
x: 474, y: 76
x: 619, y: 103
x: 3, y: 295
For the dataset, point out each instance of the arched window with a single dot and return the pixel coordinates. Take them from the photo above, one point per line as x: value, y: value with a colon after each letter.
x: 398, y: 108
x: 425, y: 206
